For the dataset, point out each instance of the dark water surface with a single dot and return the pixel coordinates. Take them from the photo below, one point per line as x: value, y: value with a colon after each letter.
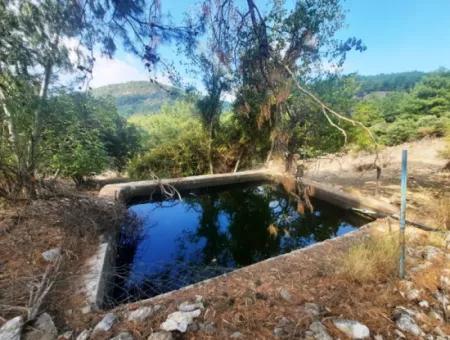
x: 215, y: 231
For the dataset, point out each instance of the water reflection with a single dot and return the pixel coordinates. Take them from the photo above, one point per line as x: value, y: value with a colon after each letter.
x: 209, y: 233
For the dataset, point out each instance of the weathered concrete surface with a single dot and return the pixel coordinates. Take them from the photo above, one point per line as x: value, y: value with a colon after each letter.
x: 347, y: 201
x: 100, y: 270
x: 125, y: 191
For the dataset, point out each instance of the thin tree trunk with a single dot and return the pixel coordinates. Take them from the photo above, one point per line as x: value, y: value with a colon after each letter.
x: 211, y: 167
x: 36, y: 130
x: 269, y: 154
x: 236, y: 166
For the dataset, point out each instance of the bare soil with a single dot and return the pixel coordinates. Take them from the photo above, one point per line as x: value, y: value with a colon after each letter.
x: 428, y: 178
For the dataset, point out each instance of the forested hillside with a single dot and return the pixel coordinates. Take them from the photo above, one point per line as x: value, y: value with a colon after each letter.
x: 139, y: 97
x: 387, y: 82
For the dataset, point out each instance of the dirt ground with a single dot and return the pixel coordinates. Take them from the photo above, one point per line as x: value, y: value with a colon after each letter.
x: 427, y: 181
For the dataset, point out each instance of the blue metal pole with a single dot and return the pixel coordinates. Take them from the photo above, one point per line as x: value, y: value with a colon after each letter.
x: 404, y: 181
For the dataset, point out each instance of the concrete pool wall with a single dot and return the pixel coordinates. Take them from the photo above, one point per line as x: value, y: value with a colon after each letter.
x: 101, y: 265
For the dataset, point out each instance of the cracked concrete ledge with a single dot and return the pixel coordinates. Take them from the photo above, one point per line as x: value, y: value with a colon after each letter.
x: 125, y: 191
x: 99, y: 271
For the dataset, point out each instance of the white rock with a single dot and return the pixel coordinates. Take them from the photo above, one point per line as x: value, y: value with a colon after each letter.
x: 42, y: 329
x: 236, y: 335
x: 51, y: 255
x: 378, y: 337
x: 312, y: 309
x: 179, y: 321
x: 84, y: 335
x: 140, y: 314
x: 424, y: 304
x: 123, y: 336
x: 86, y: 309
x: 352, y: 328
x: 189, y: 307
x: 445, y: 282
x: 106, y: 323
x: 413, y: 294
x: 435, y: 315
x: 406, y: 323
x: 11, y: 329
x: 160, y: 336
x: 319, y: 330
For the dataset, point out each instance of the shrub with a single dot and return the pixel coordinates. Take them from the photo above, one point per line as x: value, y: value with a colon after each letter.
x: 432, y: 126
x: 176, y: 146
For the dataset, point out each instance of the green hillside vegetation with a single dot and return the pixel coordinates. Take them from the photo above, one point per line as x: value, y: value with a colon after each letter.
x: 176, y: 140
x: 139, y: 97
x: 388, y: 82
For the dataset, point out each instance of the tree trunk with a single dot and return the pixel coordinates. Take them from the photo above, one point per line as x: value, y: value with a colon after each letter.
x: 269, y: 154
x: 211, y: 167
x: 236, y: 166
x: 37, y: 127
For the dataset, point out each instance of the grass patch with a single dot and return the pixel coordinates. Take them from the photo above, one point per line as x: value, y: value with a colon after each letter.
x: 373, y: 259
x: 443, y: 213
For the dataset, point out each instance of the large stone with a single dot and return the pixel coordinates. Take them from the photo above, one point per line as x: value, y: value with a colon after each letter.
x: 11, y: 329
x: 123, y: 336
x: 179, y: 321
x: 42, y: 329
x: 353, y: 329
x: 404, y: 320
x: 106, y: 323
x: 163, y: 335
x: 319, y: 331
x: 408, y: 291
x: 140, y: 314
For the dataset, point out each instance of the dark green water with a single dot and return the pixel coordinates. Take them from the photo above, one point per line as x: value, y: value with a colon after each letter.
x: 214, y: 231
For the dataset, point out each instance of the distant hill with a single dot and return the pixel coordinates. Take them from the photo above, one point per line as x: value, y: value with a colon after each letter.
x: 139, y: 97
x: 387, y: 82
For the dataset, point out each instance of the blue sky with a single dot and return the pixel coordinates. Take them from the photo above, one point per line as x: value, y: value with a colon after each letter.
x: 400, y: 35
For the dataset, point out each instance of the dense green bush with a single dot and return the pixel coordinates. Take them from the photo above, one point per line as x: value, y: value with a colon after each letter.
x: 83, y: 136
x: 176, y: 144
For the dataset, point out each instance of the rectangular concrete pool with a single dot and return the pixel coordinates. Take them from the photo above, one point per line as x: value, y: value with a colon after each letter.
x: 213, y: 231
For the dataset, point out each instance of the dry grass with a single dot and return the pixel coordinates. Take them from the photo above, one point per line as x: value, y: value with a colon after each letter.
x: 374, y: 258
x: 442, y: 213
x: 434, y: 239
